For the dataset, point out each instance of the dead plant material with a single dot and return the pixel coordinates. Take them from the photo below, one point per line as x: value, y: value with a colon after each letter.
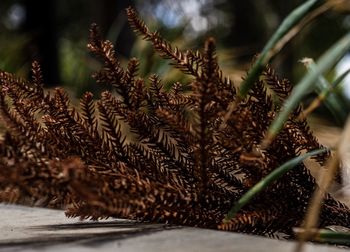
x: 140, y: 152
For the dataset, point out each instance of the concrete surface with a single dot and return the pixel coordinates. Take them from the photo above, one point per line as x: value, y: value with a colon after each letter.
x: 37, y: 229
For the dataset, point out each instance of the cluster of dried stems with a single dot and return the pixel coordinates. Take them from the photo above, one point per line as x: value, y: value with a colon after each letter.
x: 143, y: 153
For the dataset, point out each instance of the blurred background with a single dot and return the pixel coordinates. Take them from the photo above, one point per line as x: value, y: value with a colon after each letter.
x: 55, y: 33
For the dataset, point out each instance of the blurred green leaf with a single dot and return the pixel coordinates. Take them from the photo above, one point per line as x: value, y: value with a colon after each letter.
x: 328, y: 59
x: 267, y: 53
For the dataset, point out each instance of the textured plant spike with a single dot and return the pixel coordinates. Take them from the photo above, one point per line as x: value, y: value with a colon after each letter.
x: 87, y: 106
x: 131, y: 71
x: 282, y: 88
x: 188, y: 62
x: 143, y: 153
x: 111, y: 129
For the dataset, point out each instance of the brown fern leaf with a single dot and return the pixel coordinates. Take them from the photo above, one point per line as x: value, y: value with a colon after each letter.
x: 113, y: 136
x: 282, y: 88
x: 143, y: 153
x: 87, y: 106
x: 188, y: 62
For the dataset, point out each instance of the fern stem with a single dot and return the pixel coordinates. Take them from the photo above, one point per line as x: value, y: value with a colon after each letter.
x: 262, y: 184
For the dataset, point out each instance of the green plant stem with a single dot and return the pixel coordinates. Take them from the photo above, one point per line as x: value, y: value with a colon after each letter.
x: 273, y: 176
x: 267, y: 53
x: 328, y: 59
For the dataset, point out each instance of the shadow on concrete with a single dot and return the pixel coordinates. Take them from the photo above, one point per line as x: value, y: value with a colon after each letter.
x: 95, y: 238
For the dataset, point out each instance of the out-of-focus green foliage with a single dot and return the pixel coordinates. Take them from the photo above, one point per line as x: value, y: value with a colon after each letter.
x: 241, y: 28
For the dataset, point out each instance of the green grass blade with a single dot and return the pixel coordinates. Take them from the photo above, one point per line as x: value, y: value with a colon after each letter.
x: 262, y: 184
x: 328, y: 59
x: 324, y: 89
x: 327, y: 236
x: 266, y: 55
x: 340, y: 78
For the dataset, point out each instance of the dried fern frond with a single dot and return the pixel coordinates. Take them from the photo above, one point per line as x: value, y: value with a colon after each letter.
x: 144, y: 153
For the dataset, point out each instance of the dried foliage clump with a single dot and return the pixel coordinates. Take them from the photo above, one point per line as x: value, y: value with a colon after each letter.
x: 143, y: 153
